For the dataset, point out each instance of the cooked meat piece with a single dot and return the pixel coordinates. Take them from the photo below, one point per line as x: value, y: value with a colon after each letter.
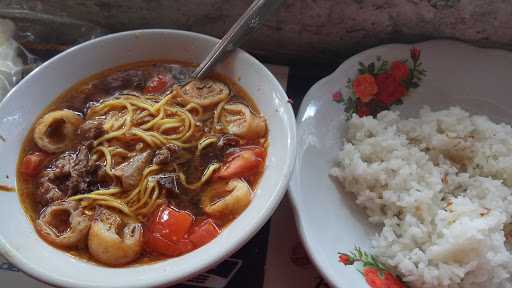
x: 81, y: 163
x: 90, y: 95
x: 69, y: 174
x: 177, y: 72
x: 91, y: 129
x: 49, y: 193
x: 239, y: 119
x: 162, y: 157
x: 130, y: 172
x: 63, y: 224
x: 165, y: 154
x: 57, y: 130
x: 204, y: 92
x: 112, y: 240
x: 169, y: 181
x: 124, y: 80
x: 101, y: 174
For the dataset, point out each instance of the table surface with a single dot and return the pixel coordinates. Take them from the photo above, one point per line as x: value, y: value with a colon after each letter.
x: 274, y: 257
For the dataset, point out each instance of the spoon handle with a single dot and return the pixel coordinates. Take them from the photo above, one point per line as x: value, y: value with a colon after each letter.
x: 245, y: 25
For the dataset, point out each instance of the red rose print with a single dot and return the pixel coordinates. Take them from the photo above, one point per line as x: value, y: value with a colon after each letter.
x: 363, y: 109
x: 415, y: 54
x: 337, y: 96
x: 345, y: 259
x: 391, y: 281
x: 381, y: 279
x: 373, y: 271
x: 399, y: 70
x: 379, y: 85
x: 371, y: 275
x: 390, y: 89
x: 364, y: 87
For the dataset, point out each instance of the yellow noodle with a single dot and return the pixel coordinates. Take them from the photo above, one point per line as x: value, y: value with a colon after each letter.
x: 164, y: 101
x: 117, y: 205
x: 118, y: 123
x: 186, y: 125
x: 142, y: 114
x: 158, y: 137
x: 175, y: 136
x: 206, y: 175
x: 145, y: 195
x: 205, y: 142
x: 91, y: 196
x: 119, y: 151
x: 109, y: 136
x: 105, y: 200
x: 153, y: 201
x: 193, y: 106
x: 191, y: 125
x: 181, y: 144
x: 163, y: 127
x: 118, y: 133
x: 104, y: 107
x: 144, y: 135
x: 108, y: 124
x: 134, y: 193
x: 110, y: 191
x: 216, y: 114
x: 154, y: 121
x: 147, y: 172
x: 168, y: 121
x: 140, y: 104
x: 108, y: 159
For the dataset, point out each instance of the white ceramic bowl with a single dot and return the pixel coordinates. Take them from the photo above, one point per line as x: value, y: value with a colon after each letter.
x: 18, y: 241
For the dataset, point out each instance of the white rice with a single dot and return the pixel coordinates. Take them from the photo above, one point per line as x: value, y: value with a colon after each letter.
x: 441, y: 187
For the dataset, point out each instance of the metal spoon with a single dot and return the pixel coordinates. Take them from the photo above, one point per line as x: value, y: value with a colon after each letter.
x: 245, y: 25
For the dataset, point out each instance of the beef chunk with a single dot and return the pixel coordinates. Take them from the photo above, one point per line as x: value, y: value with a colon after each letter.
x: 131, y: 171
x: 124, y: 80
x: 69, y: 174
x: 101, y: 174
x: 162, y: 157
x: 49, y: 193
x: 170, y: 182
x: 165, y: 155
x: 91, y: 129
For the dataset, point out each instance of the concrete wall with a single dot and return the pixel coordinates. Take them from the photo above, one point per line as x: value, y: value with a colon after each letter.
x: 313, y: 30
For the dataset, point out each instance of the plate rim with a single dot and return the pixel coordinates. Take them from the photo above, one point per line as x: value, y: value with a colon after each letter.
x: 294, y: 187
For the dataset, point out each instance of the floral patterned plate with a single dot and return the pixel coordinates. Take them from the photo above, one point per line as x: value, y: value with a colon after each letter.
x: 440, y: 74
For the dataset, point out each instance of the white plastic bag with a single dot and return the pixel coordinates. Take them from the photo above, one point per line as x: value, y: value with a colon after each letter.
x: 11, y: 64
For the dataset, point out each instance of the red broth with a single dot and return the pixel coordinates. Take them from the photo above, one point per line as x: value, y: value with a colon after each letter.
x: 182, y: 218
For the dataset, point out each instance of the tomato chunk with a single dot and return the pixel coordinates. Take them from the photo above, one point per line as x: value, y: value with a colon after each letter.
x: 242, y: 164
x: 171, y: 232
x: 157, y: 85
x: 172, y: 224
x: 203, y: 233
x: 32, y: 163
x: 167, y: 232
x: 155, y: 242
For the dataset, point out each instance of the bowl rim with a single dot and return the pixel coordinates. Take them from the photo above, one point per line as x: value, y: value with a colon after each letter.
x: 166, y: 279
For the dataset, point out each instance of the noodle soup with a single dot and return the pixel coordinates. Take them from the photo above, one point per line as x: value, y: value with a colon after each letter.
x: 127, y: 167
